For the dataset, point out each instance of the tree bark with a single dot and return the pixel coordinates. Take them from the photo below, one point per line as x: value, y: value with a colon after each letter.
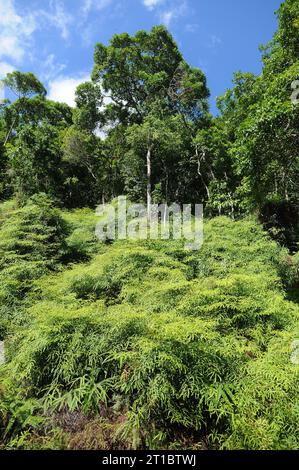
x: 8, y: 134
x: 199, y: 160
x: 149, y: 182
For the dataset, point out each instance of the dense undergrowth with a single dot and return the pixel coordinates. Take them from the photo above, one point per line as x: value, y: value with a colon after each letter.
x: 143, y: 344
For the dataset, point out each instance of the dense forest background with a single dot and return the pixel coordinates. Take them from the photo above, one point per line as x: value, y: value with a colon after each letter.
x: 144, y: 97
x: 143, y: 344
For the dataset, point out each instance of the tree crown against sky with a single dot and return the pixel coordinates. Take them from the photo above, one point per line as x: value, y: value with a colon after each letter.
x: 217, y: 37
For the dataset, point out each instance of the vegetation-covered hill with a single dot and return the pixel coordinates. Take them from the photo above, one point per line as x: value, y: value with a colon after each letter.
x: 144, y: 344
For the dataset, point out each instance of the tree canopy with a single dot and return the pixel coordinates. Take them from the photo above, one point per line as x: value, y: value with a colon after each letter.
x: 142, y: 125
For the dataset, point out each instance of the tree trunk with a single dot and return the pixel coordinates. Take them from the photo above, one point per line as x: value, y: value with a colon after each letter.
x: 199, y: 170
x: 8, y: 134
x: 149, y: 183
x: 166, y: 197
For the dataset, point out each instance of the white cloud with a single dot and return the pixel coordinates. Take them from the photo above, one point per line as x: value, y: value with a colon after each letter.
x: 151, y: 4
x: 214, y: 41
x: 50, y: 68
x: 17, y: 28
x: 62, y: 20
x: 99, y: 5
x: 11, y: 47
x: 173, y: 13
x: 89, y: 8
x: 5, y: 68
x: 63, y: 89
x: 167, y: 17
x: 15, y: 31
x: 167, y: 10
x: 57, y: 16
x: 191, y: 27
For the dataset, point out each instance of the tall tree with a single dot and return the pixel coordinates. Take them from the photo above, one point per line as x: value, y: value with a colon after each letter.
x: 147, y: 81
x: 35, y: 161
x: 24, y: 86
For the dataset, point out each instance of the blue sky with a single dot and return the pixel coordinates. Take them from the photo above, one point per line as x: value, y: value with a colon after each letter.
x: 55, y: 38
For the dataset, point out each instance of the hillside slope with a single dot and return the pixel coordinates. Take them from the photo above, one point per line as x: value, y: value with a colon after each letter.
x: 144, y: 344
